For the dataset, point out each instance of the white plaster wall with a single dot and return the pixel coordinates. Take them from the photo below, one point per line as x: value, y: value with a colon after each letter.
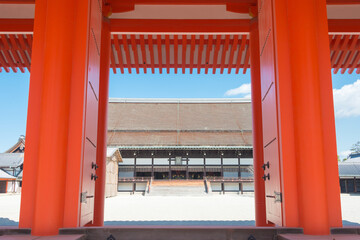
x: 111, y: 178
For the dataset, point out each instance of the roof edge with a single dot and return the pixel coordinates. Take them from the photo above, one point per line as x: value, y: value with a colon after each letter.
x: 133, y: 147
x: 180, y: 100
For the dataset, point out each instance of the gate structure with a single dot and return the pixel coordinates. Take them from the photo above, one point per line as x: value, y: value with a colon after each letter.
x: 290, y: 47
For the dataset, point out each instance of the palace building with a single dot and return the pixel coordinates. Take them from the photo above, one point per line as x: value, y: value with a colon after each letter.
x: 290, y: 48
x: 11, y: 167
x: 183, y: 139
x: 349, y: 174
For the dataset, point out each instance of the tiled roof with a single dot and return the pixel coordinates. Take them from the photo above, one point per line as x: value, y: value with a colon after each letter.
x: 110, y: 151
x: 180, y: 122
x: 11, y: 159
x: 134, y: 147
x: 349, y: 169
x: 354, y: 159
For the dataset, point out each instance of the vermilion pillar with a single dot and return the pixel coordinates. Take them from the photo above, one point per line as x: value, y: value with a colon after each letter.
x: 33, y: 118
x: 259, y: 186
x: 297, y: 103
x: 102, y: 124
x: 58, y: 188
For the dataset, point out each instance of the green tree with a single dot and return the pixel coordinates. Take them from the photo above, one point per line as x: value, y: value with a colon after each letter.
x: 355, y: 148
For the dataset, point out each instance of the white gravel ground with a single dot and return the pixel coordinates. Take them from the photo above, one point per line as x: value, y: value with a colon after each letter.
x: 228, y: 207
x: 124, y: 209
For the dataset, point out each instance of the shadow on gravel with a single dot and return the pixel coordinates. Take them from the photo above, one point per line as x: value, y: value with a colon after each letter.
x: 181, y: 223
x: 196, y: 223
x: 348, y: 223
x: 8, y: 222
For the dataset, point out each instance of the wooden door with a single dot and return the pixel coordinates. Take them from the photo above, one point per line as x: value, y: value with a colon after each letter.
x: 269, y: 112
x: 91, y: 116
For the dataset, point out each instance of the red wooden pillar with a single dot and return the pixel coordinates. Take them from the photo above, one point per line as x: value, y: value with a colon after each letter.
x: 58, y: 188
x: 299, y: 132
x: 102, y: 124
x: 33, y: 118
x: 259, y: 186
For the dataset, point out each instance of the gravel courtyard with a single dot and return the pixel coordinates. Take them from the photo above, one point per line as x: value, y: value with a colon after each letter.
x: 228, y: 209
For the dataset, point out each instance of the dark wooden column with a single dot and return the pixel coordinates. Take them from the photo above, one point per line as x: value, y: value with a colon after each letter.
x: 346, y: 187
x: 355, y: 189
x: 239, y: 163
x: 204, y: 164
x: 222, y: 166
x: 187, y: 168
x: 152, y: 167
x: 169, y: 168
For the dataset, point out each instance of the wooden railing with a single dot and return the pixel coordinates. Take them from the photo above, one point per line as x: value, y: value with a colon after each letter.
x: 222, y: 179
x: 135, y: 179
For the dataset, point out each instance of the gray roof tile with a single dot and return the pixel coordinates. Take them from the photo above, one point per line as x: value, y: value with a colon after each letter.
x: 349, y: 169
x: 11, y: 159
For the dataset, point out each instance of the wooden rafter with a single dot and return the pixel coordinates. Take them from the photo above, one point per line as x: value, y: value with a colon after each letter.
x: 204, y: 51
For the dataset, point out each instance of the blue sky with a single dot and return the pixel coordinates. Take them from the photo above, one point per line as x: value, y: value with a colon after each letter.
x: 14, y: 95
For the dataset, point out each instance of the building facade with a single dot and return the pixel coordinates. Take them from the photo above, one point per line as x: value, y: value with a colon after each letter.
x: 11, y: 167
x: 349, y: 174
x: 183, y: 139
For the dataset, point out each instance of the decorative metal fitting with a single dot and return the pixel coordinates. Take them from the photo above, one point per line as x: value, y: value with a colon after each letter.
x: 94, y: 177
x: 251, y: 237
x: 266, y: 176
x: 111, y: 237
x: 266, y: 165
x: 94, y: 165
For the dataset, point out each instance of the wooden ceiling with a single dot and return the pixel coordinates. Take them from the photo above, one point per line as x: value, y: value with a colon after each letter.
x: 143, y: 44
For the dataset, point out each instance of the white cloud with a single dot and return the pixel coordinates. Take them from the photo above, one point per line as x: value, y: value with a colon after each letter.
x: 347, y: 100
x: 244, y: 89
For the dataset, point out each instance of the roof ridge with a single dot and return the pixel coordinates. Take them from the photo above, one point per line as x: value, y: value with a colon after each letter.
x: 180, y: 100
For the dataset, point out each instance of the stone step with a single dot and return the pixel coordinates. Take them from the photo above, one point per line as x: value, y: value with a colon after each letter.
x: 176, y: 191
x: 29, y: 237
x: 181, y: 232
x: 177, y: 188
x: 312, y: 237
x: 177, y: 183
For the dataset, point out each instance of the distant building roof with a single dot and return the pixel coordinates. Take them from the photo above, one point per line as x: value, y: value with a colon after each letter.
x: 180, y: 122
x: 19, y: 147
x: 110, y: 151
x: 180, y: 100
x: 348, y: 169
x: 134, y: 147
x: 354, y: 155
x: 4, y: 175
x: 353, y: 160
x: 11, y: 159
x: 113, y: 153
